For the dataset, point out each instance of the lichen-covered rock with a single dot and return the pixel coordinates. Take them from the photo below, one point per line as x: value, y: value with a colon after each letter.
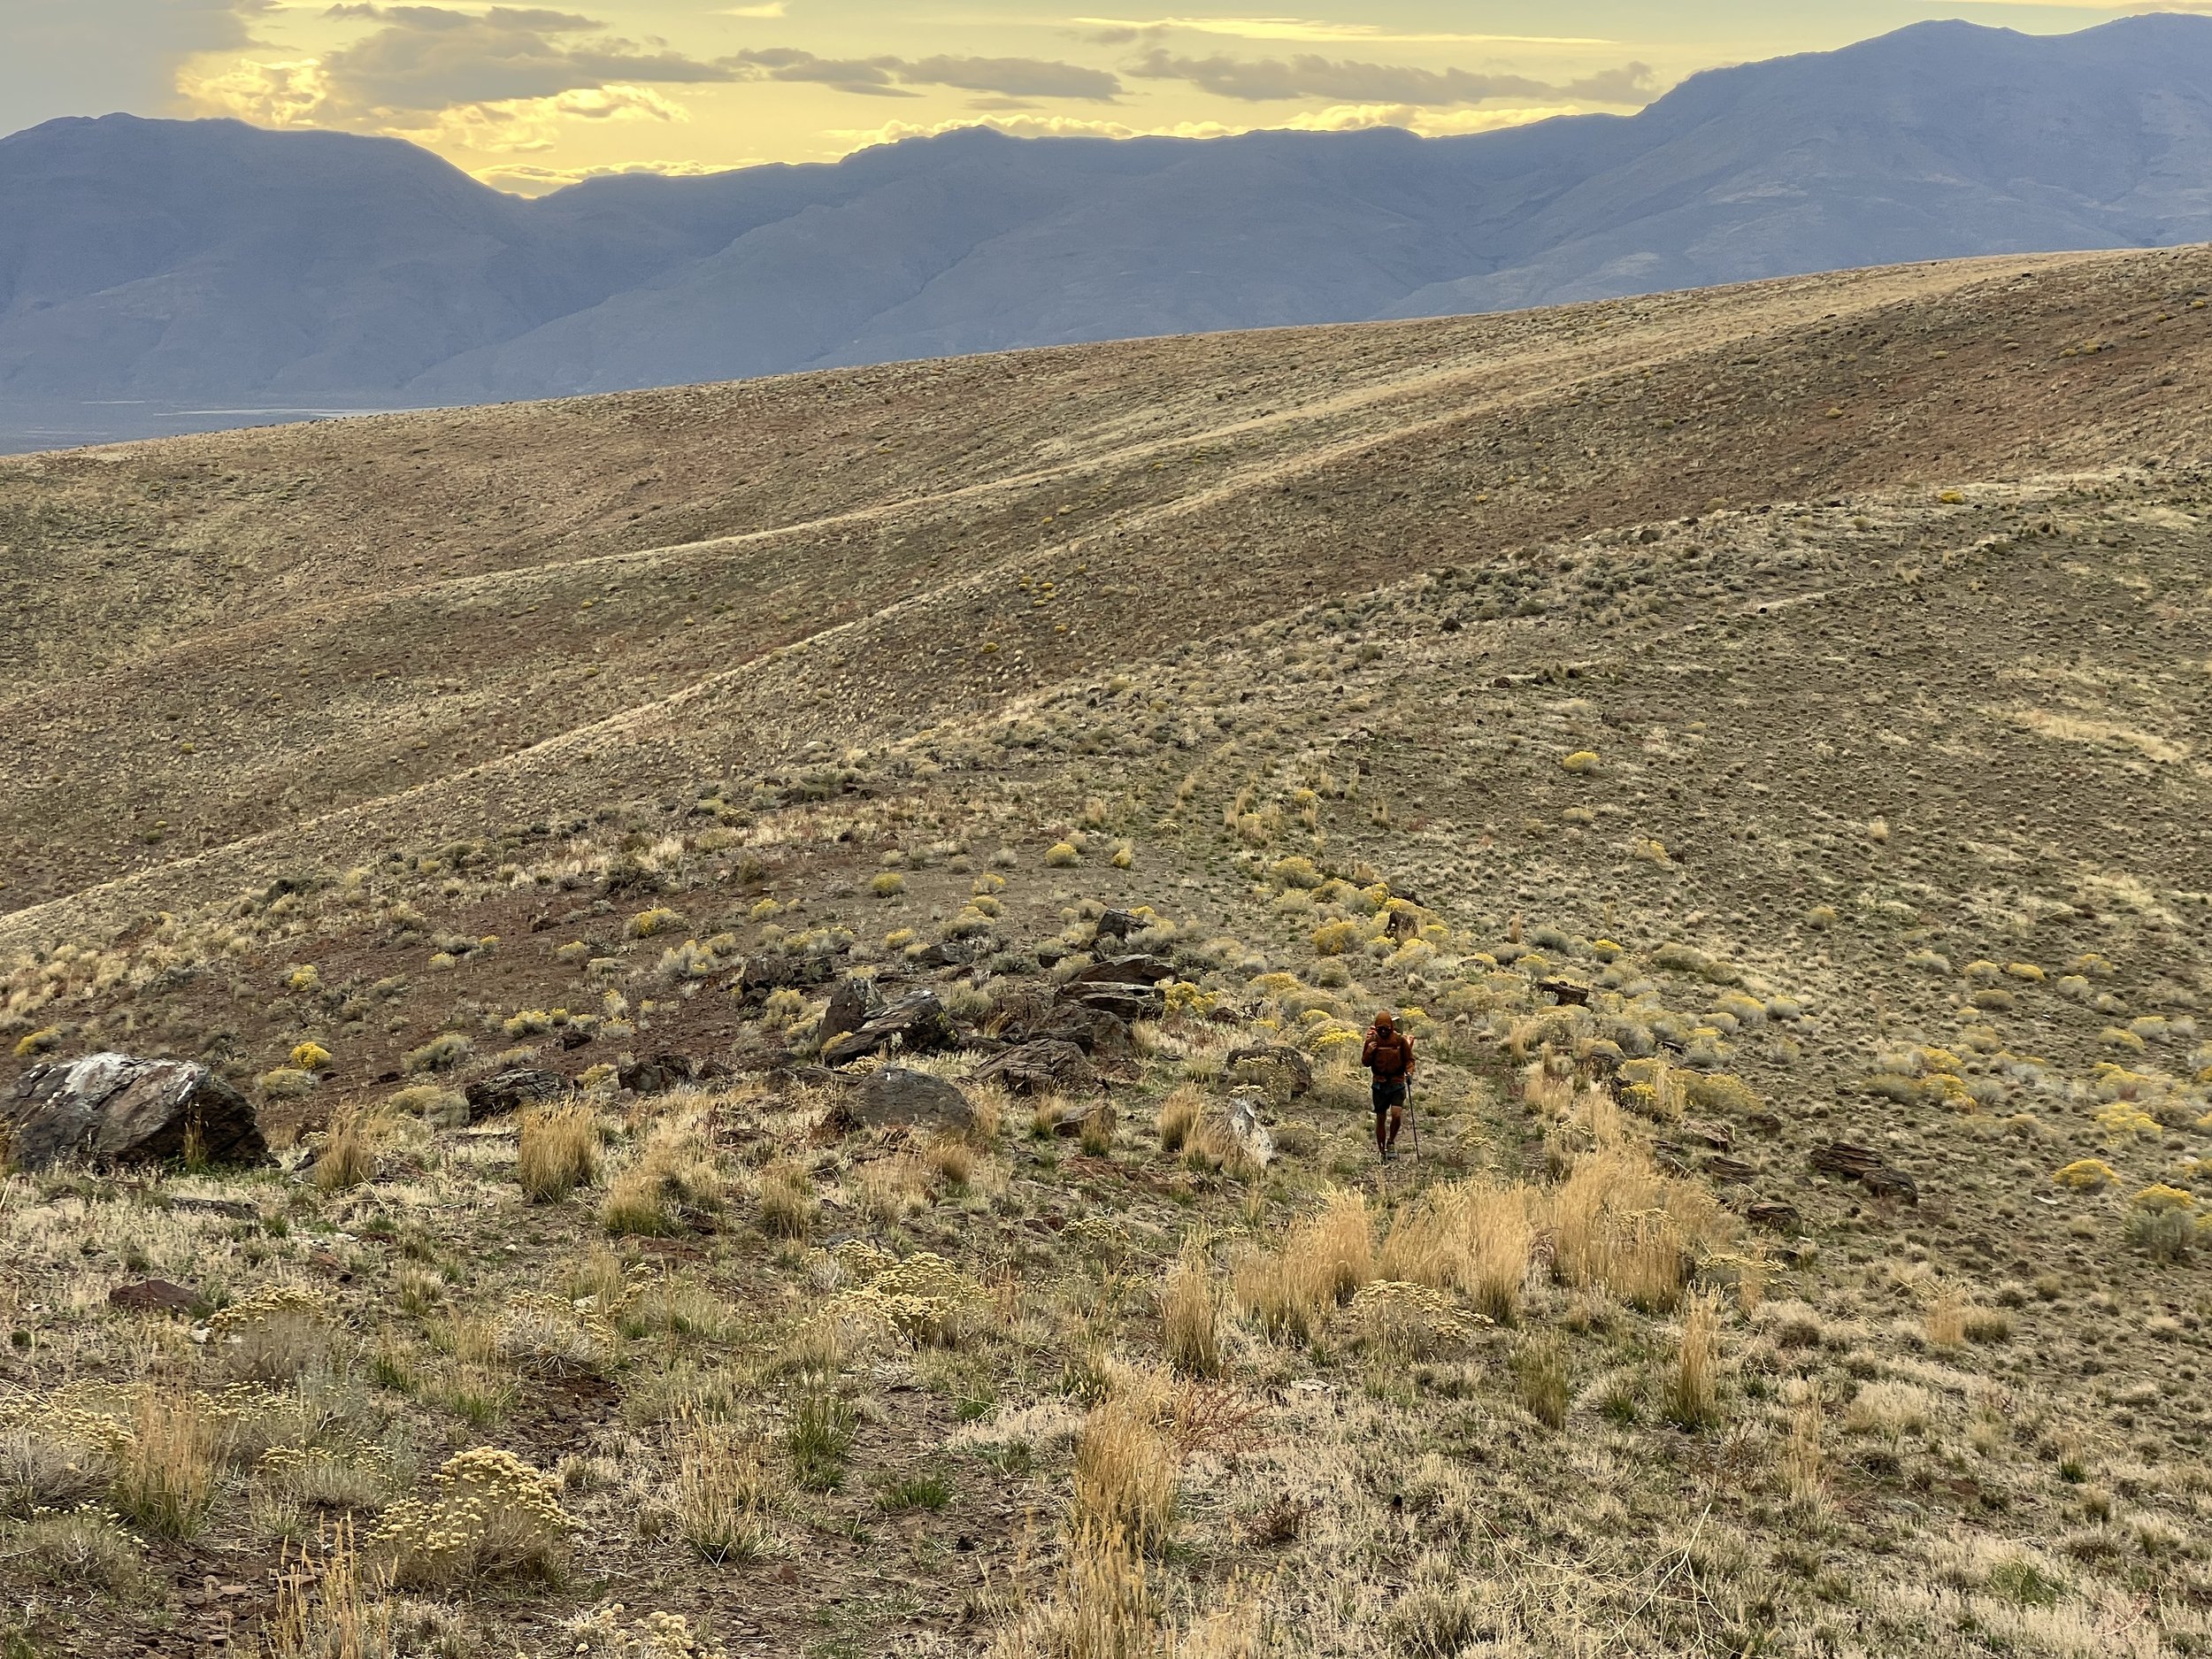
x: 116, y: 1108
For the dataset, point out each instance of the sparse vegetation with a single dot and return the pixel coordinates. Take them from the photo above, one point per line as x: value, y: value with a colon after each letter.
x: 1797, y: 1250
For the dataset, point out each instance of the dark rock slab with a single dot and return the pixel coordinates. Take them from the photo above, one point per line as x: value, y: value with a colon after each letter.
x: 916, y: 1024
x: 513, y: 1090
x: 1036, y: 1067
x: 116, y: 1108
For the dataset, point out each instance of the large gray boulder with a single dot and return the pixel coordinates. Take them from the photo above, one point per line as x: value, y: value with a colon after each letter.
x: 895, y: 1095
x: 115, y: 1109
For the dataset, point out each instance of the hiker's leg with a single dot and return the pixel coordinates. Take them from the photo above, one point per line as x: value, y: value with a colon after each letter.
x: 1381, y: 1145
x: 1397, y: 1120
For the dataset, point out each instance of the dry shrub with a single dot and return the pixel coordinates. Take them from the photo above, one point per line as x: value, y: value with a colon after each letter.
x: 1338, y: 1244
x: 1692, y: 1390
x: 1621, y: 1225
x: 1190, y: 1317
x: 490, y: 1515
x: 41, y: 1473
x: 558, y: 1153
x: 345, y: 1160
x: 165, y: 1470
x: 788, y: 1206
x: 1124, y: 1475
x: 1178, y: 1116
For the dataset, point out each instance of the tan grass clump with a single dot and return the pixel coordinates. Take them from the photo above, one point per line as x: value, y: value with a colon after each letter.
x: 1802, y: 1459
x: 345, y: 1160
x: 1178, y: 1116
x: 1622, y: 1226
x: 1290, y: 1291
x: 787, y: 1205
x: 1125, y: 1476
x: 558, y: 1152
x: 1539, y: 1377
x: 675, y: 1170
x: 1190, y: 1309
x: 166, y: 1468
x: 724, y: 1496
x: 1692, y: 1388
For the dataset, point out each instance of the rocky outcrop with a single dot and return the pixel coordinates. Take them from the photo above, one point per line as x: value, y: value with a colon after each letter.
x: 1125, y: 970
x: 918, y: 1024
x: 513, y: 1090
x: 851, y: 1005
x: 1039, y: 1066
x: 1866, y: 1166
x: 114, y: 1109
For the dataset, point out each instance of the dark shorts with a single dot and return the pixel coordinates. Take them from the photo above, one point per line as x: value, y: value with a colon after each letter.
x: 1389, y: 1093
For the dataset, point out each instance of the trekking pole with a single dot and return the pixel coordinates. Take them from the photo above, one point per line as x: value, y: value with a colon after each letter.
x: 1413, y: 1121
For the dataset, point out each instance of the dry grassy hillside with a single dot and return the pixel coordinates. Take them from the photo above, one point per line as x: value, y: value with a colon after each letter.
x: 245, y: 635
x: 1815, y: 675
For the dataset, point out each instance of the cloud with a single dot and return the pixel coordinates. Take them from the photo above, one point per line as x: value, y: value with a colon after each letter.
x: 869, y: 76
x: 1016, y: 77
x: 1309, y: 75
x: 889, y: 77
x: 431, y: 58
x: 1121, y: 31
x: 773, y: 9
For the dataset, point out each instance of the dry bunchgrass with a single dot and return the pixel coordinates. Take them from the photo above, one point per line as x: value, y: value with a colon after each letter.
x: 1539, y: 1377
x: 725, y: 1493
x: 1622, y: 1226
x: 1190, y: 1313
x: 165, y: 1471
x: 329, y: 1605
x: 557, y: 1151
x: 1803, y: 1461
x: 1124, y: 1477
x: 675, y: 1170
x: 1693, y: 1384
x: 787, y: 1204
x: 1178, y: 1115
x: 1474, y: 1235
x: 346, y: 1159
x: 1290, y: 1291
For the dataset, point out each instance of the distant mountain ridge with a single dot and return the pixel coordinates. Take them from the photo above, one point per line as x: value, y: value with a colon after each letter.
x: 210, y: 260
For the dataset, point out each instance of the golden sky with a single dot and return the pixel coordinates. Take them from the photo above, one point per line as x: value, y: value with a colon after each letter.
x: 530, y: 96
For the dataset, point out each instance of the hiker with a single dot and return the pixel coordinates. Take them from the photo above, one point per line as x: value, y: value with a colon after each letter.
x: 1389, y: 1054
